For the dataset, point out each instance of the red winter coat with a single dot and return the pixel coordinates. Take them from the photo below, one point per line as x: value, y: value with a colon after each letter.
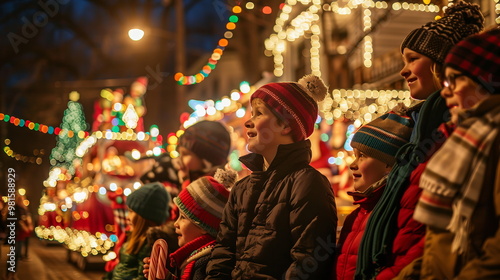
x: 409, y: 241
x: 352, y: 233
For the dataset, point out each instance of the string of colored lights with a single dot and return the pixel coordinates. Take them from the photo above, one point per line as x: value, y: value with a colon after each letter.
x: 36, y: 158
x: 197, y: 78
x: 41, y: 127
x: 125, y: 135
x: 216, y: 54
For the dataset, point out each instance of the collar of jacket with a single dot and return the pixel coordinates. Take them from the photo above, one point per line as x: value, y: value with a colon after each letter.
x: 290, y: 154
x: 370, y: 196
x: 178, y: 257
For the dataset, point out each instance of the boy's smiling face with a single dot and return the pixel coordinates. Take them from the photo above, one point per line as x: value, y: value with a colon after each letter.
x: 367, y: 170
x: 417, y: 72
x: 265, y: 132
x: 186, y: 230
x: 460, y: 92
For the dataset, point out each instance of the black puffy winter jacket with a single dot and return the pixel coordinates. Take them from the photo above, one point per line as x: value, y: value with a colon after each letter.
x: 279, y: 223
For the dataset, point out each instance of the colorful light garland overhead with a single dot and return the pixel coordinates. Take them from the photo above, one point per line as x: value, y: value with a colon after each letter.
x: 183, y: 79
x: 42, y: 127
x: 217, y: 53
x: 129, y: 135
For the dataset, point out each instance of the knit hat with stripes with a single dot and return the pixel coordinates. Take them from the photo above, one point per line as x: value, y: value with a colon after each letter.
x: 295, y: 103
x: 382, y: 137
x: 436, y: 38
x: 203, y: 201
x: 478, y: 57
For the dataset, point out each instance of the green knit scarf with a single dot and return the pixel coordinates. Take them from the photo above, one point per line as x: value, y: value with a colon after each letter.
x: 381, y: 229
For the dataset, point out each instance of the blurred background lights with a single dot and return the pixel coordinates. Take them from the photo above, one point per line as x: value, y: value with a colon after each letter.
x: 154, y: 131
x: 245, y: 87
x: 126, y: 192
x: 136, y: 154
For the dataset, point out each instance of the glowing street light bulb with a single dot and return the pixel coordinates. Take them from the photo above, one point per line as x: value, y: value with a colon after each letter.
x: 136, y: 34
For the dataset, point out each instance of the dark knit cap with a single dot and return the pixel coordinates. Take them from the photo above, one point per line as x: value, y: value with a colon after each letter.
x: 436, y: 38
x: 478, y: 57
x: 382, y: 137
x: 150, y: 202
x: 209, y: 140
x: 203, y: 201
x: 295, y: 103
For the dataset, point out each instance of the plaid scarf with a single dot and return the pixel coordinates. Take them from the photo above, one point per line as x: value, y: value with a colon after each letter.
x: 453, y: 178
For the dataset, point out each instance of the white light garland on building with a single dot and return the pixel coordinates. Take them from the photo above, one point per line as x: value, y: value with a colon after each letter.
x: 289, y: 30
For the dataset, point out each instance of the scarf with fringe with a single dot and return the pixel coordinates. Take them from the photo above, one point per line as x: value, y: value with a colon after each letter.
x: 453, y: 178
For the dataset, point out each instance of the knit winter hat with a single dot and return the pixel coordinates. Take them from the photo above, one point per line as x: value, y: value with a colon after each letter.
x: 150, y: 202
x: 436, y: 38
x: 204, y: 199
x: 478, y: 57
x: 382, y: 137
x: 209, y: 140
x: 295, y: 103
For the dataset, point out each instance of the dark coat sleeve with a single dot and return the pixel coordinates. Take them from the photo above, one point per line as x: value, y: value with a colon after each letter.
x: 313, y: 223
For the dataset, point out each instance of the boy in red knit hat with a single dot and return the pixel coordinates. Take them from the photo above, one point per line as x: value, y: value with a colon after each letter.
x: 280, y: 221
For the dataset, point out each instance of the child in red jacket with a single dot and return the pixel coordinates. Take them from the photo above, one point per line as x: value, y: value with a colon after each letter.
x: 375, y: 146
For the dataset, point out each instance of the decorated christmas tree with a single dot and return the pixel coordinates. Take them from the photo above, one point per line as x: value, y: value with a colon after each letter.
x: 72, y: 132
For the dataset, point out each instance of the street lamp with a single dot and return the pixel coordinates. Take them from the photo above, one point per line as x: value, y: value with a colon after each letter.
x: 135, y: 34
x: 179, y: 37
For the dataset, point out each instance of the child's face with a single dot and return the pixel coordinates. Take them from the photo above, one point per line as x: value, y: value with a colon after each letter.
x: 131, y: 219
x: 460, y: 92
x: 367, y: 170
x: 264, y: 131
x: 188, y: 161
x: 417, y: 72
x: 186, y: 230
